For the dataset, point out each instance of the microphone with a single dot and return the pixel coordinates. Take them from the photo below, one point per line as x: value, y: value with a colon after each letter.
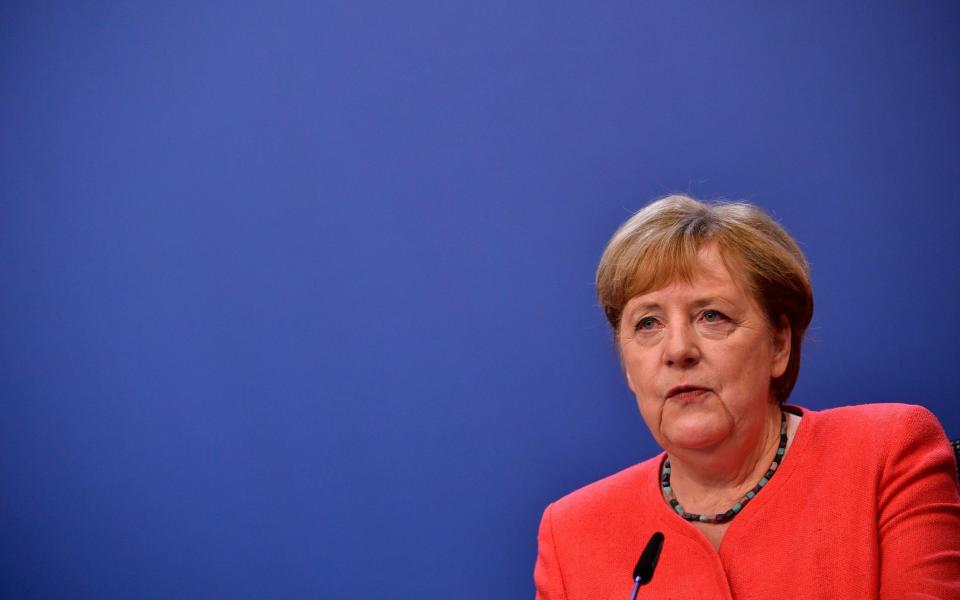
x: 643, y: 572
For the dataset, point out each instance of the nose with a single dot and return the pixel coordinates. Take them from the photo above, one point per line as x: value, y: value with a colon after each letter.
x: 680, y: 347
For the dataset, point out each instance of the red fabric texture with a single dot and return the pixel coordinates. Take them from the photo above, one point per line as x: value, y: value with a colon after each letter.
x: 864, y: 505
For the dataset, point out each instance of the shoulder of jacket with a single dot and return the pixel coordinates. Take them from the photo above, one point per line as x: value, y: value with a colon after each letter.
x: 882, y: 415
x: 607, y: 494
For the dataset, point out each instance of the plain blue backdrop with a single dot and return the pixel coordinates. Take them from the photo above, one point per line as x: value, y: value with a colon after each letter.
x: 296, y: 298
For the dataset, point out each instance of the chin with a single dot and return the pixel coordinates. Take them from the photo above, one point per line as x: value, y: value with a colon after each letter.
x: 696, y: 433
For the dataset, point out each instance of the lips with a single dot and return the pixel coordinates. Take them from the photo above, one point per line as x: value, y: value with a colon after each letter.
x: 686, y: 392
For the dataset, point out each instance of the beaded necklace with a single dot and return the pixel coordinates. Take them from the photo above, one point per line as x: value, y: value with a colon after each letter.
x: 730, y: 514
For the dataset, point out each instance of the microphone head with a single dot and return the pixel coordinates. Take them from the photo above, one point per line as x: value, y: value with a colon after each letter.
x: 643, y: 572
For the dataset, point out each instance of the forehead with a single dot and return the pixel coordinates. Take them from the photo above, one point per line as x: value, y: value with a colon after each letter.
x: 709, y: 275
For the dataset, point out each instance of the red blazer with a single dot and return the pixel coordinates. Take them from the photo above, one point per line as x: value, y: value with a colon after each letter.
x: 864, y: 505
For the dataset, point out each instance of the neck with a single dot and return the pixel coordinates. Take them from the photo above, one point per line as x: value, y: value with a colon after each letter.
x: 707, y: 478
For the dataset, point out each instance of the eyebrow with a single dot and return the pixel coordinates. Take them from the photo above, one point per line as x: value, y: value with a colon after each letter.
x: 699, y: 303
x: 710, y: 300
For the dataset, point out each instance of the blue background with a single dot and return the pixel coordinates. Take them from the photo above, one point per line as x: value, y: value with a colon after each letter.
x: 297, y: 297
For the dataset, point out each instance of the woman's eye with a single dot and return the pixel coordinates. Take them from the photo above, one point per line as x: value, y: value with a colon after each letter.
x: 712, y: 316
x: 646, y: 324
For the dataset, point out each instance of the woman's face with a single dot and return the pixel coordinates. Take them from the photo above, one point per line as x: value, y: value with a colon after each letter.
x: 700, y: 356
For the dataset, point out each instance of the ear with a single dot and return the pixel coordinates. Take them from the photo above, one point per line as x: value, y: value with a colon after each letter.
x: 782, y: 338
x: 629, y: 381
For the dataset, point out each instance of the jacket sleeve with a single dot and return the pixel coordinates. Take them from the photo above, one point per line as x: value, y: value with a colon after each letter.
x: 546, y: 573
x: 919, y: 512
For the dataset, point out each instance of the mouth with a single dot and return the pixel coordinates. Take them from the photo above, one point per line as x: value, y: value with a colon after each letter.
x: 686, y: 392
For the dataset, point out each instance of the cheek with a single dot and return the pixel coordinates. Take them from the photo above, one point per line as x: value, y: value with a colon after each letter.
x: 650, y: 412
x: 749, y: 368
x: 635, y: 368
x: 642, y: 384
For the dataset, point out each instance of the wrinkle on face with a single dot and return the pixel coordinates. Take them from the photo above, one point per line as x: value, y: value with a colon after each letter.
x: 672, y: 336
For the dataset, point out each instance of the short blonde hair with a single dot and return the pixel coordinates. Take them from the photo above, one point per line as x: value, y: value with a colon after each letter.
x: 660, y: 243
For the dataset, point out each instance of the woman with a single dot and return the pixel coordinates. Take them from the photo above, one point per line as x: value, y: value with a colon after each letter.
x: 756, y: 499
